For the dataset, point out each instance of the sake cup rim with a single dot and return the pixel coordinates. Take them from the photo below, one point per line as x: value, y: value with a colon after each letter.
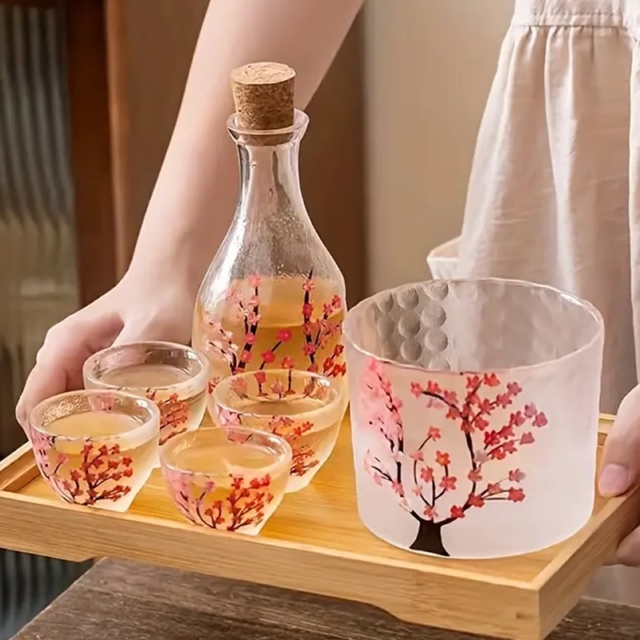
x: 285, y: 453
x: 197, y: 379
x: 151, y: 423
x: 591, y: 310
x: 332, y: 402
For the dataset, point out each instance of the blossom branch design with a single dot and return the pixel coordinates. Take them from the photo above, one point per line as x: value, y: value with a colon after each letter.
x: 42, y: 445
x: 317, y: 333
x: 223, y: 341
x: 242, y: 505
x: 237, y: 351
x: 174, y: 415
x: 432, y: 479
x: 304, y: 456
x: 385, y: 417
x: 471, y: 414
x: 90, y: 482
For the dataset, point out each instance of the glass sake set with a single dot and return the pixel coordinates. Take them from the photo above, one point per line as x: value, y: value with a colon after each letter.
x: 474, y: 402
x: 142, y: 407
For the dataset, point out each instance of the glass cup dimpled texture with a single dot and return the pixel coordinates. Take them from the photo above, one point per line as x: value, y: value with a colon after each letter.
x: 475, y: 412
x: 95, y: 448
x: 226, y: 478
x: 174, y: 376
x: 305, y: 408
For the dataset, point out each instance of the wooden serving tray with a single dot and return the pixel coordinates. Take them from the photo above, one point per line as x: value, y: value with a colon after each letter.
x: 315, y: 543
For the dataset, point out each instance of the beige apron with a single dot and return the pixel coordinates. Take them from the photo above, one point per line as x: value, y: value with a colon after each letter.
x: 554, y: 193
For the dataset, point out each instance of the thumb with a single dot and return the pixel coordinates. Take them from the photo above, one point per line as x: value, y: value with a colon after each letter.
x: 620, y: 469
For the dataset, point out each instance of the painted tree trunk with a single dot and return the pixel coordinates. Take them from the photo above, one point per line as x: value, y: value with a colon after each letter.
x: 429, y: 539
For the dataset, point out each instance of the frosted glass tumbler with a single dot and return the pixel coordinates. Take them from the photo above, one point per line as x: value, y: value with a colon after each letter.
x: 474, y: 408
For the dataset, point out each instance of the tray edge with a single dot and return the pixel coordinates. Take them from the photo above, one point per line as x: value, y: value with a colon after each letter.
x: 404, y: 592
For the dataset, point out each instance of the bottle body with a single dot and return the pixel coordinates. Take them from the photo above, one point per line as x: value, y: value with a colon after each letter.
x: 273, y: 296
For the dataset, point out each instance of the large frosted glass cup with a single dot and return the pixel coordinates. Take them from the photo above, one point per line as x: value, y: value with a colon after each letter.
x: 475, y: 407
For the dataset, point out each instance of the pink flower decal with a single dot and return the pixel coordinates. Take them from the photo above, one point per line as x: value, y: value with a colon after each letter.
x: 315, y: 344
x: 430, y: 472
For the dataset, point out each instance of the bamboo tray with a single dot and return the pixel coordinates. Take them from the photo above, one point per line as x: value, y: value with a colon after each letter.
x: 315, y: 543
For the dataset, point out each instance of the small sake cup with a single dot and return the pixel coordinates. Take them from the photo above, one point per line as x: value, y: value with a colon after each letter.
x: 95, y: 448
x: 174, y: 376
x: 304, y: 408
x: 227, y: 478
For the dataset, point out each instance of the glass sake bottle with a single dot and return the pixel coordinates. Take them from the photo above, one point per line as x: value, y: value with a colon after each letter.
x: 273, y: 297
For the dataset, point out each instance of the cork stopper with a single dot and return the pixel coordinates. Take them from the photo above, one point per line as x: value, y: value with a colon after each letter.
x: 263, y: 96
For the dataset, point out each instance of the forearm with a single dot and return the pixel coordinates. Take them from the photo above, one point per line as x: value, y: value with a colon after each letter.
x: 194, y: 198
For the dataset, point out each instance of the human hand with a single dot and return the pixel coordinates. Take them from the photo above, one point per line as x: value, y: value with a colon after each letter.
x: 620, y: 469
x: 137, y: 308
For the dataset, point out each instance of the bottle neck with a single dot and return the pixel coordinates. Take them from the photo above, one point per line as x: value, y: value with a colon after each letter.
x: 269, y: 172
x: 269, y: 180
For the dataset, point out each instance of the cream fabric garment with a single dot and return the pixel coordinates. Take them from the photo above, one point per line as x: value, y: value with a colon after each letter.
x: 554, y: 194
